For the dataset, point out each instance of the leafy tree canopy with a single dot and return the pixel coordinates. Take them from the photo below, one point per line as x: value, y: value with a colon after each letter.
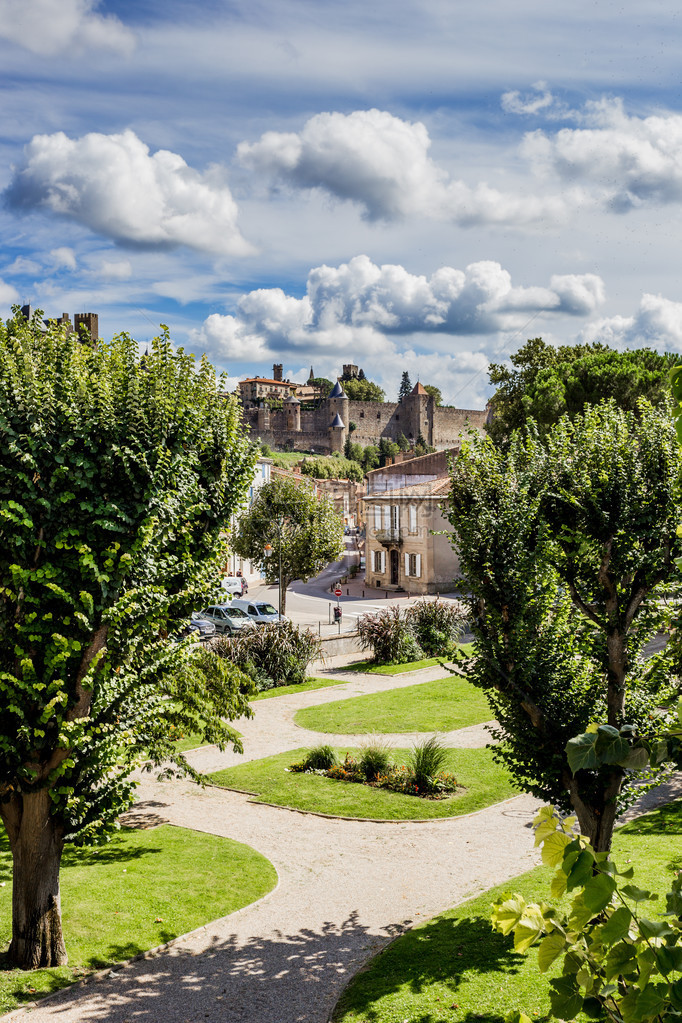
x: 564, y: 543
x: 304, y: 532
x: 117, y: 476
x: 435, y: 393
x: 363, y: 390
x: 545, y: 383
x: 322, y: 382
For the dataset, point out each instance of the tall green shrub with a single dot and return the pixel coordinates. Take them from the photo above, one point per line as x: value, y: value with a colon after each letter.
x: 271, y: 655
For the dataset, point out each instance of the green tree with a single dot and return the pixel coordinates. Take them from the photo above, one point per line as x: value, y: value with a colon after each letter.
x: 564, y: 543
x: 363, y: 390
x: 546, y: 383
x: 371, y: 458
x: 333, y: 467
x: 116, y: 477
x: 322, y: 382
x: 304, y: 532
x: 435, y: 393
x: 387, y: 449
x: 402, y: 442
x: 405, y: 386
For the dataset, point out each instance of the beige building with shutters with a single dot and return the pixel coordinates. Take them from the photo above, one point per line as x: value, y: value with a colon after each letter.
x: 405, y: 546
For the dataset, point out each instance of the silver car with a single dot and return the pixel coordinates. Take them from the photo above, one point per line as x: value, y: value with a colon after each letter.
x: 259, y: 611
x: 227, y: 618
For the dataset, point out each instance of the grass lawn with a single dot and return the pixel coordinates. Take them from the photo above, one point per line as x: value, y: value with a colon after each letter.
x: 139, y: 890
x: 455, y: 968
x: 438, y: 706
x: 484, y: 783
x: 310, y: 683
x: 370, y: 667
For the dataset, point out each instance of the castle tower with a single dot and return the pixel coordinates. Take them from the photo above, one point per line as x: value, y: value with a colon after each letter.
x: 277, y: 371
x: 337, y: 434
x: 263, y: 418
x: 292, y: 408
x: 89, y: 321
x: 420, y: 406
x: 338, y: 405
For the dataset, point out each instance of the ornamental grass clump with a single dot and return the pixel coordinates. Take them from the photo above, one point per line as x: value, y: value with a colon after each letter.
x: 375, y: 758
x: 426, y: 762
x: 437, y: 625
x: 319, y: 758
x: 390, y: 637
x: 271, y: 655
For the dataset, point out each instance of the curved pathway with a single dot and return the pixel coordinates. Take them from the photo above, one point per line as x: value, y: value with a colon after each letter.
x: 273, y: 729
x: 345, y: 889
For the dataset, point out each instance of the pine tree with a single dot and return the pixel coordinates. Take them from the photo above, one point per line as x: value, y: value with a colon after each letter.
x: 405, y: 386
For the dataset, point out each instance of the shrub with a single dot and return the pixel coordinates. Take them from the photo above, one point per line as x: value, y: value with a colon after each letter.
x: 389, y: 635
x: 320, y: 758
x: 426, y: 762
x: 437, y: 625
x: 375, y: 758
x: 271, y: 655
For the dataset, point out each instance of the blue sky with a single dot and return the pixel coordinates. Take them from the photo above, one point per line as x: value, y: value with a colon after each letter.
x: 414, y: 186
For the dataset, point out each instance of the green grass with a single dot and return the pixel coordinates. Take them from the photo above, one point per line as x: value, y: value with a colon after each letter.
x: 455, y: 968
x: 371, y: 668
x: 310, y: 683
x: 439, y: 706
x: 138, y: 891
x: 484, y: 783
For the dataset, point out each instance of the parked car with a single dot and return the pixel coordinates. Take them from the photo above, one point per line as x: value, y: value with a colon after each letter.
x: 259, y: 611
x: 197, y: 628
x: 227, y: 618
x: 233, y: 584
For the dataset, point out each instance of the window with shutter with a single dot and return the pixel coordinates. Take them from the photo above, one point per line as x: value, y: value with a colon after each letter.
x: 413, y: 518
x: 407, y: 564
x: 418, y: 566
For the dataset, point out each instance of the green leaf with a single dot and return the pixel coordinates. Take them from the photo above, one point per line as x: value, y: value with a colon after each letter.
x: 507, y: 913
x: 598, y: 891
x: 620, y: 960
x: 550, y: 948
x: 616, y: 927
x: 565, y: 997
x: 612, y: 748
x: 654, y: 928
x: 631, y: 891
x: 581, y: 871
x: 582, y: 752
x: 669, y: 959
x: 553, y: 848
x: 651, y: 1001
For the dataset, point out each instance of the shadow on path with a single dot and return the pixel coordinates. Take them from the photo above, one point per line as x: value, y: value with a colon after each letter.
x: 263, y: 978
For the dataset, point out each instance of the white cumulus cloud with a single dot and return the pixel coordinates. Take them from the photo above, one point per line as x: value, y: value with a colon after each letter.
x: 48, y: 27
x: 8, y: 293
x: 359, y: 306
x: 629, y: 160
x: 382, y: 163
x: 113, y: 185
x: 657, y: 323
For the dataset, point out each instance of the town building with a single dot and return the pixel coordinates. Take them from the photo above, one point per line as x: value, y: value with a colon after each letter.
x: 407, y: 545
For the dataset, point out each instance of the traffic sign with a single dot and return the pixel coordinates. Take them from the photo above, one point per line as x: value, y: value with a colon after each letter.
x: 338, y: 591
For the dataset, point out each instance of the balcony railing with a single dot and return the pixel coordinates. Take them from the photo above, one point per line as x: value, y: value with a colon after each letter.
x: 390, y: 537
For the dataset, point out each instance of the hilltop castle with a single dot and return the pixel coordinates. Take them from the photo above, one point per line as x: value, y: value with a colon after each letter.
x: 326, y: 427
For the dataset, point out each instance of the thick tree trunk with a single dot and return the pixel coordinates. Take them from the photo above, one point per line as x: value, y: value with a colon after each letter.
x: 37, y: 846
x: 597, y: 819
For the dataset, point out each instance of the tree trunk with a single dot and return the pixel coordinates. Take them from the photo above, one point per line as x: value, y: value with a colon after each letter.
x: 596, y: 819
x: 37, y: 845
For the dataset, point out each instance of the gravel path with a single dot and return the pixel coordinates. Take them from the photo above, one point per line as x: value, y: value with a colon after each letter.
x: 273, y: 729
x: 346, y: 888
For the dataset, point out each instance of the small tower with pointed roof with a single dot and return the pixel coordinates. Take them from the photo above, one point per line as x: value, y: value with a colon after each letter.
x: 420, y: 407
x: 338, y: 408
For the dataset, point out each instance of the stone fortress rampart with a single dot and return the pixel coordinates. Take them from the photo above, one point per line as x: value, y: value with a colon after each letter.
x: 325, y: 428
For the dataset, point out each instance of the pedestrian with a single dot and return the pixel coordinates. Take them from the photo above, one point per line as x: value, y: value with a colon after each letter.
x: 245, y: 586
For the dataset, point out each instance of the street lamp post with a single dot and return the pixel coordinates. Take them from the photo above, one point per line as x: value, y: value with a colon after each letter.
x: 267, y: 551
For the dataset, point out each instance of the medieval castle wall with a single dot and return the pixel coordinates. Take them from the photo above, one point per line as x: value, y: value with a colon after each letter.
x: 311, y: 429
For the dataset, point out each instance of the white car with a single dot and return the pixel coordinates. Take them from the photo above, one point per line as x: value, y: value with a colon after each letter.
x: 227, y: 618
x: 259, y: 611
x: 232, y: 584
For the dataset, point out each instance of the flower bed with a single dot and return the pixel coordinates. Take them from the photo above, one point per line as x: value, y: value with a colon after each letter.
x: 374, y: 768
